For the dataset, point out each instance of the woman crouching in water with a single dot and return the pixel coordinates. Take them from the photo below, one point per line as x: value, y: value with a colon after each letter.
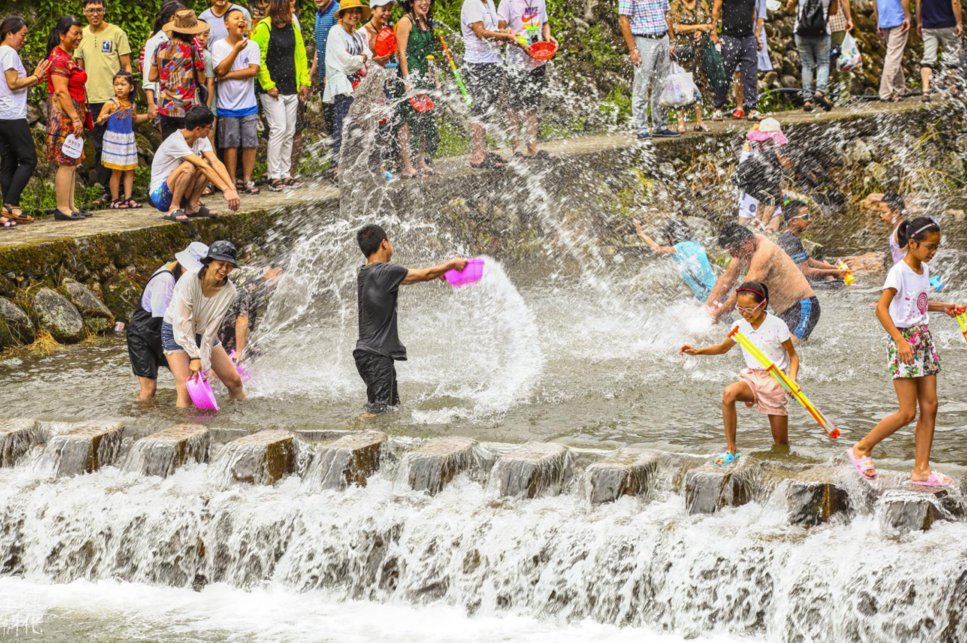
x: 189, y: 334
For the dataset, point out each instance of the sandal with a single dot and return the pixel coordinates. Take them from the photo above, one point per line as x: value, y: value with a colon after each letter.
x: 864, y: 466
x: 936, y: 479
x: 738, y: 114
x: 755, y: 116
x: 119, y: 204
x: 7, y: 223
x: 717, y: 115
x: 250, y: 188
x: 295, y: 184
x: 925, y: 97
x: 202, y: 213
x: 208, y: 191
x: 14, y: 213
x: 807, y: 106
x: 101, y: 201
x: 823, y: 101
x: 177, y: 216
x: 133, y: 204
x: 727, y: 459
x: 490, y: 162
x: 701, y: 127
x: 681, y: 128
x: 276, y: 185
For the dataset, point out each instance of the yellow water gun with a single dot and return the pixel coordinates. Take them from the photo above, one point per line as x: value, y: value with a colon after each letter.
x: 787, y: 383
x: 848, y: 277
x: 962, y: 320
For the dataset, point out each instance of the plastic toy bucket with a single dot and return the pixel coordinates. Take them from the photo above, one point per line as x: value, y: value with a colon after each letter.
x: 543, y: 50
x: 422, y: 103
x: 385, y: 42
x: 200, y: 392
x: 469, y: 275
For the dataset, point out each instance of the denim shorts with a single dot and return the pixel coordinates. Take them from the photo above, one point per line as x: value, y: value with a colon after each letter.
x: 168, y: 343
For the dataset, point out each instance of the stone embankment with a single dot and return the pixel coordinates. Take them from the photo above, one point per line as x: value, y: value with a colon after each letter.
x: 812, y: 494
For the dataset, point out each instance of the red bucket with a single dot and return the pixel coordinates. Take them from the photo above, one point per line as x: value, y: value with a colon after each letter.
x: 422, y: 103
x: 543, y: 50
x: 385, y: 42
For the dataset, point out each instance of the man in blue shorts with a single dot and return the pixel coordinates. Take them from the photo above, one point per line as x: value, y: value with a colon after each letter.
x: 183, y: 164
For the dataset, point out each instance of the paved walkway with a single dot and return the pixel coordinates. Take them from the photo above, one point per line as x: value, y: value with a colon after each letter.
x: 109, y: 221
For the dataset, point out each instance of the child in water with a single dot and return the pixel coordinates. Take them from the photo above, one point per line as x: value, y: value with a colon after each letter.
x: 756, y: 386
x: 913, y: 359
x: 691, y: 258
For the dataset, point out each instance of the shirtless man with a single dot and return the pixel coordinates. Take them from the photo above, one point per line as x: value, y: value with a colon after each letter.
x: 792, y: 298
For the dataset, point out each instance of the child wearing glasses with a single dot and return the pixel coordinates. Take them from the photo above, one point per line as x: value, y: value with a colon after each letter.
x: 755, y: 386
x: 913, y: 361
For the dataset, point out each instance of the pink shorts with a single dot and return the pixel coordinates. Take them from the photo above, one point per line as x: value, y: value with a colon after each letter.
x: 770, y: 397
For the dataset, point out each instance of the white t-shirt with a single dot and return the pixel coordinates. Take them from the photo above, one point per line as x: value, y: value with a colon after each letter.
x: 171, y: 153
x: 236, y: 97
x: 477, y: 50
x: 768, y: 338
x: 13, y: 105
x: 909, y: 306
x: 216, y: 26
x: 526, y: 17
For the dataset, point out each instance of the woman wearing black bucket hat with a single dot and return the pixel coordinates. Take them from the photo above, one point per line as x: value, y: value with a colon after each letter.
x: 189, y: 334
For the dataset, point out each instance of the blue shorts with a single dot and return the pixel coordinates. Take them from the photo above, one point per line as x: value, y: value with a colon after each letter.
x: 168, y: 343
x: 802, y: 317
x: 160, y: 197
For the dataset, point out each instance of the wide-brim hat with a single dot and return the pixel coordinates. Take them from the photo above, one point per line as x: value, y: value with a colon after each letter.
x: 222, y: 251
x: 345, y: 5
x: 186, y: 22
x: 769, y: 130
x: 191, y: 257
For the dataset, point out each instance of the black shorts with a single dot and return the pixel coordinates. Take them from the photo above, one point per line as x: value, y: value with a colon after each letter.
x: 525, y: 87
x: 484, y: 82
x: 379, y: 374
x: 144, y: 350
x: 802, y: 317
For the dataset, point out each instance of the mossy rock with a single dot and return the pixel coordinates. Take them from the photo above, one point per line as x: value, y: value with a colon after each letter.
x: 85, y: 300
x: 58, y: 316
x: 15, y: 325
x: 122, y: 295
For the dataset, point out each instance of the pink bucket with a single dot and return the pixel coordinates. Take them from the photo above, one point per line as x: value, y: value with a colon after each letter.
x: 242, y: 371
x: 471, y: 274
x: 201, y: 394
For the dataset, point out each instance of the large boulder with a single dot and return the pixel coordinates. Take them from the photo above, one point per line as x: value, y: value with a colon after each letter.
x: 15, y: 326
x: 58, y: 316
x: 97, y: 316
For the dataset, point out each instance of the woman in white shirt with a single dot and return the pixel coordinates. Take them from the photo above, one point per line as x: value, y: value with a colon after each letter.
x: 189, y: 333
x: 347, y: 52
x: 19, y: 158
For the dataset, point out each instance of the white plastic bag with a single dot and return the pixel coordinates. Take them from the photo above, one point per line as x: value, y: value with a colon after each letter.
x: 849, y: 54
x: 73, y: 146
x: 679, y: 89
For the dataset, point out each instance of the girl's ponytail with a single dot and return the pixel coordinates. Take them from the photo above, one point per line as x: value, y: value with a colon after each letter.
x: 915, y: 230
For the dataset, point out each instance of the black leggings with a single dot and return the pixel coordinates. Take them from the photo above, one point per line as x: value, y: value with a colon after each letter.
x: 19, y: 158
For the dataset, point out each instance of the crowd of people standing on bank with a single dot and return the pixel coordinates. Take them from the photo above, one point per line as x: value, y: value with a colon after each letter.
x: 244, y: 64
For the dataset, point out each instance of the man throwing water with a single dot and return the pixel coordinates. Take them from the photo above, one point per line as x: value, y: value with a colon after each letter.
x: 792, y: 298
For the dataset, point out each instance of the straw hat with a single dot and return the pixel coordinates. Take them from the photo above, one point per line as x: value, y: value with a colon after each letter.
x: 185, y: 22
x: 353, y: 4
x: 769, y: 130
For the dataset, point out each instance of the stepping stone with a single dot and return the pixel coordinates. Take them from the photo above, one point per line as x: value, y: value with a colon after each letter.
x: 16, y: 438
x: 435, y: 464
x: 161, y: 453
x: 628, y: 472
x: 911, y: 511
x: 85, y: 449
x: 815, y: 502
x: 709, y: 487
x: 350, y: 460
x: 260, y: 458
x: 531, y: 470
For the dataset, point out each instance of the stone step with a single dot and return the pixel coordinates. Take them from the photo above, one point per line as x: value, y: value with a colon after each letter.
x: 816, y: 502
x: 531, y: 470
x: 627, y: 472
x: 708, y: 488
x: 350, y: 460
x: 84, y: 449
x: 161, y: 453
x: 438, y: 461
x: 16, y: 438
x: 259, y: 458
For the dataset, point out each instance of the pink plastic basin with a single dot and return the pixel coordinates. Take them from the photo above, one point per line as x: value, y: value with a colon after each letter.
x: 201, y: 394
x: 469, y: 275
x: 242, y: 371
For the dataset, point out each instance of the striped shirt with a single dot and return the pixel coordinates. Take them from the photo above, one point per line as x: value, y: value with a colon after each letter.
x: 325, y: 20
x: 647, y: 16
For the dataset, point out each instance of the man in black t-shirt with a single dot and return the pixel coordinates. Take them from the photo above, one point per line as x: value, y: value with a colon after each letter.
x: 377, y: 289
x: 741, y: 39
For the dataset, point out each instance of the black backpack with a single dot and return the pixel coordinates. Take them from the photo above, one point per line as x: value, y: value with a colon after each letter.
x: 812, y: 19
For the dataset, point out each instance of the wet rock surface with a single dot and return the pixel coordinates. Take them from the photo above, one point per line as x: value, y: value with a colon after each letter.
x: 813, y: 502
x: 15, y: 326
x: 58, y: 316
x: 97, y: 316
x: 350, y: 460
x: 437, y: 462
x: 162, y: 453
x: 85, y: 449
x: 16, y: 438
x: 260, y: 458
x: 628, y: 472
x: 531, y: 470
x: 709, y: 488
